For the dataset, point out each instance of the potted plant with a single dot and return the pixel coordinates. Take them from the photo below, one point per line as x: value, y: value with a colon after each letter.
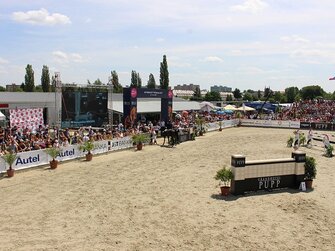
x: 329, y: 151
x: 310, y: 171
x: 302, y: 139
x: 139, y: 139
x: 200, y: 122
x: 220, y: 124
x: 10, y: 158
x: 53, y: 153
x: 87, y: 146
x: 289, y: 141
x: 225, y: 176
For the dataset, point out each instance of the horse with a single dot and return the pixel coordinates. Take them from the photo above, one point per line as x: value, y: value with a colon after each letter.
x: 171, y: 135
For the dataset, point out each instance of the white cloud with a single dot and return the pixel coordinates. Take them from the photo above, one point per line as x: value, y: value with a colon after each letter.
x: 213, y: 59
x: 294, y: 38
x: 160, y: 40
x: 40, y: 17
x: 3, y: 61
x: 65, y: 58
x: 252, y: 6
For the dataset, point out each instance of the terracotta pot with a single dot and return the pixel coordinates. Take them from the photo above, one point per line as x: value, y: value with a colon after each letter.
x: 10, y: 172
x: 53, y: 164
x: 139, y: 146
x: 220, y: 129
x: 225, y: 190
x: 309, y: 183
x: 89, y: 156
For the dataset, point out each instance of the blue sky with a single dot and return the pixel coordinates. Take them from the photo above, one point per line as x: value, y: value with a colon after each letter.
x: 245, y: 44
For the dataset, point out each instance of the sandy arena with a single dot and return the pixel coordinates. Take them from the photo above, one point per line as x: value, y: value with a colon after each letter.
x: 167, y: 199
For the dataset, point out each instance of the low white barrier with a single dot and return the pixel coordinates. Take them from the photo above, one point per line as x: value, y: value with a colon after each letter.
x: 271, y: 123
x: 40, y: 157
x: 214, y: 126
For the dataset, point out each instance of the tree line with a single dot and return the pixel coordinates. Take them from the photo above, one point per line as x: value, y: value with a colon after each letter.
x: 290, y: 95
x: 48, y: 85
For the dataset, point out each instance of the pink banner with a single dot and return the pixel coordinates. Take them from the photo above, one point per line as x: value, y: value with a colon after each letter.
x: 26, y: 117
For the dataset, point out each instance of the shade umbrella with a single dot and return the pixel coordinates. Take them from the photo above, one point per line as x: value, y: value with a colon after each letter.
x: 230, y: 107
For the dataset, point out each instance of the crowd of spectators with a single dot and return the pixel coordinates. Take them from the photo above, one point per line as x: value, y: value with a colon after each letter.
x: 21, y: 140
x: 309, y: 111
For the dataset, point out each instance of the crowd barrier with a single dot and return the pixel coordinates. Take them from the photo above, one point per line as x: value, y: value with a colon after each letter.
x: 40, y: 157
x: 214, y: 126
x: 271, y: 123
x: 267, y: 174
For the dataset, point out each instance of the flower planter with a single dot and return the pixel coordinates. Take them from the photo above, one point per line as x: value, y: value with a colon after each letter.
x: 10, y: 173
x: 139, y: 146
x: 309, y: 184
x: 53, y: 164
x: 225, y: 190
x: 89, y: 156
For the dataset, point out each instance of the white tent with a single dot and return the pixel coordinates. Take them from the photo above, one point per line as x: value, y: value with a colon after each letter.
x: 206, y: 106
x: 245, y: 108
x: 2, y: 116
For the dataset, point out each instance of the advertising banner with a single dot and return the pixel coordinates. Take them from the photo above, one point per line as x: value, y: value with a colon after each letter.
x: 119, y: 144
x: 322, y: 126
x: 30, y: 159
x: 30, y: 118
x: 271, y: 123
x: 100, y: 147
x: 69, y: 152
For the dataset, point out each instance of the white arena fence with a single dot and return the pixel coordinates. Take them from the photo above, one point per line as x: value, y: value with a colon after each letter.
x: 271, y: 123
x: 40, y: 157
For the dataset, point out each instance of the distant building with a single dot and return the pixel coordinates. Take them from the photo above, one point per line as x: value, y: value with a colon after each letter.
x: 12, y: 87
x: 185, y: 90
x: 220, y: 88
x: 190, y: 87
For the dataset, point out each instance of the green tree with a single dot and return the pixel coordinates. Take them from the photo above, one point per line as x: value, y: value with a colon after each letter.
x: 291, y: 93
x: 136, y: 80
x: 248, y: 96
x: 117, y: 87
x: 151, y: 82
x: 38, y: 88
x: 212, y: 96
x: 164, y: 74
x: 197, y: 95
x: 53, y: 83
x: 311, y: 92
x: 29, y: 82
x: 229, y: 97
x: 2, y: 89
x: 259, y: 94
x: 45, y: 79
x: 279, y: 97
x: 237, y: 93
x: 97, y: 82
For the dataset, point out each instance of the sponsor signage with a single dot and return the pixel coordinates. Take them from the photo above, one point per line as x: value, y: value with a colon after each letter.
x: 40, y: 157
x: 271, y: 123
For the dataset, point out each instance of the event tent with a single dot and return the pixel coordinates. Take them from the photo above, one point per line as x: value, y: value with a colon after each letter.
x: 230, y: 107
x: 2, y: 116
x: 245, y: 108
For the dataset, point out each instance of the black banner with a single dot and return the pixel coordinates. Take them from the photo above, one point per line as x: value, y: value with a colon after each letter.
x: 129, y: 106
x: 130, y: 96
x: 322, y: 126
x: 305, y: 125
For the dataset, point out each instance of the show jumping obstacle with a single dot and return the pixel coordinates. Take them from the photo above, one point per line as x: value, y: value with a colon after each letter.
x: 267, y: 174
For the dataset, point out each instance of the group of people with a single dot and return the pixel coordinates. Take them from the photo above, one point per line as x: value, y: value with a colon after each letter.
x: 310, y: 111
x: 22, y: 140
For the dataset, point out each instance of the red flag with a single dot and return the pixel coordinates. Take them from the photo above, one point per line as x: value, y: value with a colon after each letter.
x: 333, y: 78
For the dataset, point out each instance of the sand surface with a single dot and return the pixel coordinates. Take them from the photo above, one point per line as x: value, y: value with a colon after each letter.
x: 167, y: 199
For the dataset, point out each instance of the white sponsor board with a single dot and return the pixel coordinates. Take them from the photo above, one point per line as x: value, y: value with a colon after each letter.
x: 119, y: 144
x: 214, y: 126
x: 100, y: 147
x: 40, y: 157
x: 271, y: 123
